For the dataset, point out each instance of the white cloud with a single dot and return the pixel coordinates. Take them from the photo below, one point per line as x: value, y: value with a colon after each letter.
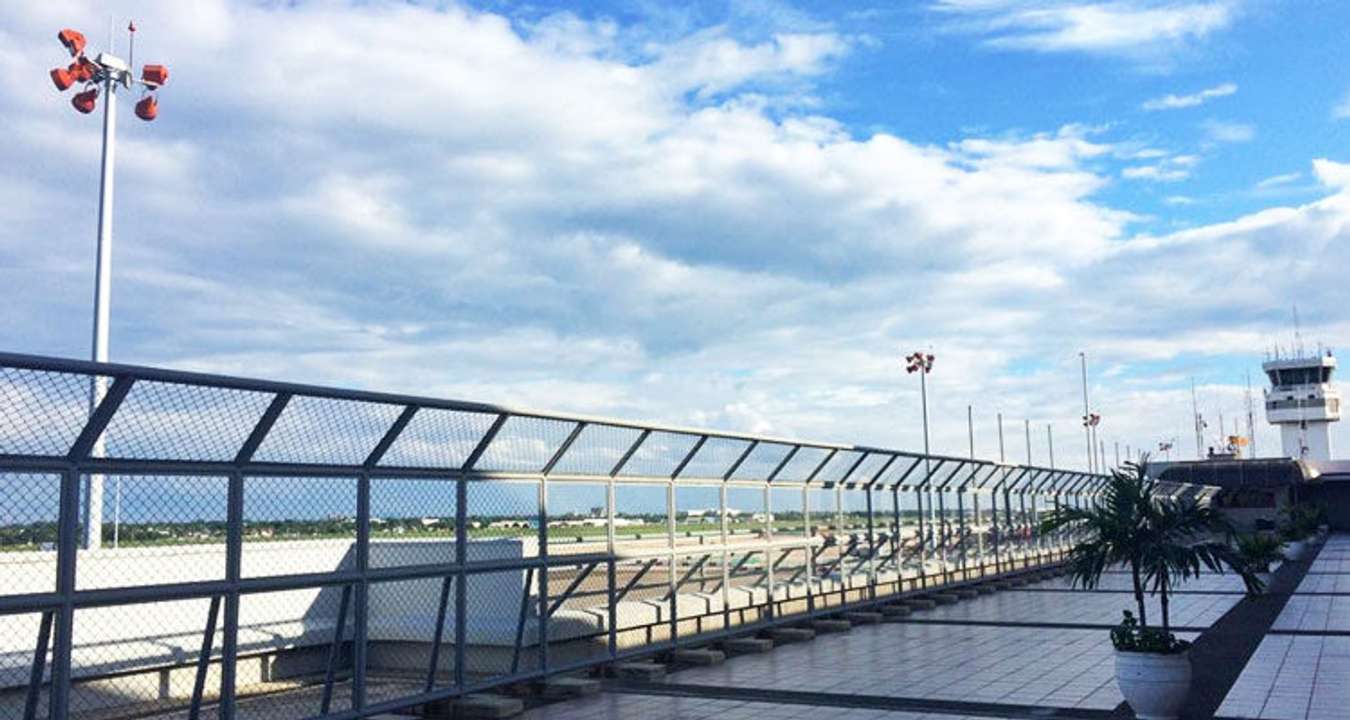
x: 1332, y: 174
x: 711, y: 62
x: 554, y: 219
x: 1228, y: 132
x: 1342, y: 109
x: 1120, y: 27
x: 1173, y: 102
x: 1278, y: 180
x: 1169, y: 169
x: 1154, y: 172
x: 1063, y: 150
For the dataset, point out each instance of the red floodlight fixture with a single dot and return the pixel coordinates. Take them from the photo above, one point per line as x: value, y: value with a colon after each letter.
x: 83, y: 69
x: 85, y: 101
x: 148, y: 108
x: 73, y: 40
x: 62, y: 79
x: 155, y: 75
x: 108, y: 71
x: 919, y: 361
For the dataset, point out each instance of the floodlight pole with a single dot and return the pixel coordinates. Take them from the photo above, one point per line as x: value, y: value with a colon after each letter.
x: 93, y: 493
x: 1087, y: 429
x: 1050, y: 443
x: 108, y: 71
x: 927, y: 460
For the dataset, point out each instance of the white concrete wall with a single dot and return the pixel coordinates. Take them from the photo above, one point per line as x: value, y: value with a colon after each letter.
x: 124, y: 637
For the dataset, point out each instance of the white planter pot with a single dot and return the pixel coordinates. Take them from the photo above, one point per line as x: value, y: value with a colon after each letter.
x: 1154, y: 685
x: 1295, y: 550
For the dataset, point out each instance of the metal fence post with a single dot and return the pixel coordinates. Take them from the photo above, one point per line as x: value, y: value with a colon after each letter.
x: 541, y: 629
x: 460, y: 577
x: 770, y: 562
x: 38, y: 669
x: 234, y: 552
x: 922, y: 536
x: 812, y: 587
x: 725, y: 556
x: 871, y: 549
x: 671, y: 509
x: 361, y: 618
x: 67, y: 548
x: 612, y: 578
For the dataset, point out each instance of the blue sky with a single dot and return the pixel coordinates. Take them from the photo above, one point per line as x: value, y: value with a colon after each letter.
x: 737, y: 214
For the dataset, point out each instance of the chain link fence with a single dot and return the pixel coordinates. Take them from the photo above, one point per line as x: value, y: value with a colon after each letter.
x: 177, y: 545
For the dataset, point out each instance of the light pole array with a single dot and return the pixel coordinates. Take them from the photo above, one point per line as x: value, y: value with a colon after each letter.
x: 105, y: 73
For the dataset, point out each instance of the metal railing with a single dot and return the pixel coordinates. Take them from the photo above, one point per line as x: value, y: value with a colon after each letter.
x: 312, y: 552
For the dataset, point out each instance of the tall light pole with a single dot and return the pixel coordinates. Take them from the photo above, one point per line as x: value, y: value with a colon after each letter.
x: 922, y: 363
x: 974, y: 496
x: 1050, y: 443
x: 108, y: 73
x: 1087, y: 412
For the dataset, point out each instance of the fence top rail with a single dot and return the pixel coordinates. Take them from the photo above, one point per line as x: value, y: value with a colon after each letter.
x: 715, y: 454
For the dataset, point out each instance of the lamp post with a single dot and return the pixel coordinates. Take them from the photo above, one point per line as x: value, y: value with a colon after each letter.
x: 974, y: 498
x: 1050, y: 443
x: 922, y: 363
x: 106, y: 73
x: 1087, y: 412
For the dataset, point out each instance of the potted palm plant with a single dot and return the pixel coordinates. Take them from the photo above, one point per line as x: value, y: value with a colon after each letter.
x: 1257, y: 553
x: 1162, y: 542
x: 1300, y: 523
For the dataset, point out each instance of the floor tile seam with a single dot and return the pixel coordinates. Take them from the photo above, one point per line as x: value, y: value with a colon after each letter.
x: 885, y: 703
x: 1283, y: 657
x: 1284, y: 599
x: 1312, y: 691
x: 1289, y: 649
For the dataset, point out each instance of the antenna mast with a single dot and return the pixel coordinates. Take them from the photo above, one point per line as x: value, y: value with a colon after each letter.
x: 1298, y: 334
x: 1195, y: 423
x: 1251, y: 416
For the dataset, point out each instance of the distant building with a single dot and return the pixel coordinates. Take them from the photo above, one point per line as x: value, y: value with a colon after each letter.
x: 1253, y: 494
x: 1303, y: 403
x: 510, y: 524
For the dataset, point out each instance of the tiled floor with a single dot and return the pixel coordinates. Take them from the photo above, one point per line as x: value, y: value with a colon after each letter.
x: 1072, y: 606
x: 951, y: 662
x: 1316, y: 613
x: 1325, y: 584
x: 1303, y: 677
x: 653, y: 707
x: 1028, y: 666
x: 1208, y: 582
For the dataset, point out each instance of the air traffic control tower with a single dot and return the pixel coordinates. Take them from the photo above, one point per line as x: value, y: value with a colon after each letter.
x: 1303, y: 403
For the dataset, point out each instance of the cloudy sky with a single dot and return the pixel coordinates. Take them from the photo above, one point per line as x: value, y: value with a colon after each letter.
x: 731, y: 214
